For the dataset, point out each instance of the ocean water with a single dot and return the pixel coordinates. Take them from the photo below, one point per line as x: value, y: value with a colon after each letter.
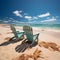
x: 52, y: 26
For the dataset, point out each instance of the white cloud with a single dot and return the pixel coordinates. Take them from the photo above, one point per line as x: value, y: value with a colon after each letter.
x: 44, y: 15
x: 0, y: 20
x: 15, y: 21
x: 5, y: 21
x: 31, y: 18
x: 28, y: 17
x: 35, y: 17
x: 57, y: 16
x: 18, y: 13
x: 11, y: 18
x: 49, y: 20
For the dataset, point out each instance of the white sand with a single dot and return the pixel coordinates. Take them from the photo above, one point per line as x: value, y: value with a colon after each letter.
x: 8, y: 52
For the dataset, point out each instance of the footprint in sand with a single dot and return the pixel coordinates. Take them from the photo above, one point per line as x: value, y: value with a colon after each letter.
x: 0, y: 35
x: 34, y: 56
x: 8, y: 32
x: 51, y: 45
x: 7, y: 38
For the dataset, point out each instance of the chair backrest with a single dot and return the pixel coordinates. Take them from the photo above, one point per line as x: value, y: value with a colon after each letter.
x: 14, y: 30
x: 28, y: 32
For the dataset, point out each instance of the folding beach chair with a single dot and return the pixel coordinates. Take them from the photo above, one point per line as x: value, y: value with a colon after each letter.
x: 29, y: 35
x: 17, y: 34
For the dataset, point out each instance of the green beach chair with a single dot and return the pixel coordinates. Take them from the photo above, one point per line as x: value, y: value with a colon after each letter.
x: 17, y: 34
x: 29, y: 34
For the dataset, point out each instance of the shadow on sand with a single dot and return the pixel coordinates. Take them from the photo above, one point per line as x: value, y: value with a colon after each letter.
x: 23, y: 46
x: 19, y: 48
x: 11, y: 40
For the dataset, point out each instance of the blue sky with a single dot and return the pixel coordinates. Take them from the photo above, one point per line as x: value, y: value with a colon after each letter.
x: 30, y: 11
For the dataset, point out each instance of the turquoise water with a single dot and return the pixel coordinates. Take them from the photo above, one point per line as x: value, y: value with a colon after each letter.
x: 54, y: 26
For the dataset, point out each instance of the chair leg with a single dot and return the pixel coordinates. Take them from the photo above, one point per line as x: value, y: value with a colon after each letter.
x: 37, y: 38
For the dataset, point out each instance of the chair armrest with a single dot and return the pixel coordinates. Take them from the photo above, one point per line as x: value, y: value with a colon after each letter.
x: 36, y: 35
x: 19, y: 32
x: 16, y: 32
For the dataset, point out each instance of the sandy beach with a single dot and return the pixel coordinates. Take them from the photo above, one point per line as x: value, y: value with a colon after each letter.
x: 48, y: 47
